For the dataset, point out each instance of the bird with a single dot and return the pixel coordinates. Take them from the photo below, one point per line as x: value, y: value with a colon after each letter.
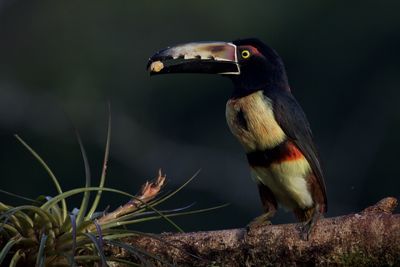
x: 266, y: 119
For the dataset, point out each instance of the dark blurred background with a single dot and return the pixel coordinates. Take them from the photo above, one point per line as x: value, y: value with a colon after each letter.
x: 62, y: 61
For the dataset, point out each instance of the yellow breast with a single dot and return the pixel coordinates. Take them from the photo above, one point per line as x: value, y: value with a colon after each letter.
x: 287, y: 182
x: 261, y: 131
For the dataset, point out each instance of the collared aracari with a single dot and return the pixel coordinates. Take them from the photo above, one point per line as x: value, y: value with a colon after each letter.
x: 266, y: 119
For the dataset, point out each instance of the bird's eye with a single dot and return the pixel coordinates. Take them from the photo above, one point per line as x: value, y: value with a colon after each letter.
x: 245, y: 54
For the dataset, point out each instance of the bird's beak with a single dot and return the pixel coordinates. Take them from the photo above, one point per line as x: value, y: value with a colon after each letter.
x: 199, y: 57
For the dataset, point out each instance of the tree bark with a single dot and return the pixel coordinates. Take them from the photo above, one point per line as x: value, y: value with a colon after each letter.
x: 368, y: 238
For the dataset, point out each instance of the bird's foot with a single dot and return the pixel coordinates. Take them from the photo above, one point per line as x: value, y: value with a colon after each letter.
x: 308, y: 226
x: 259, y: 222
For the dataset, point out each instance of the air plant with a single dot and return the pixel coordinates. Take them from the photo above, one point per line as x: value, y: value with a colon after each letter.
x: 46, y: 233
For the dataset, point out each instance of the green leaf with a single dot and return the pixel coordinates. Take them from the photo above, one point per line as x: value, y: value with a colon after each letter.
x: 17, y: 256
x: 73, y: 224
x: 13, y: 221
x: 9, y: 228
x: 104, y: 169
x: 70, y: 258
x: 49, y: 171
x: 98, y: 248
x: 123, y: 234
x: 165, y: 218
x: 148, y: 213
x: 48, y: 218
x: 158, y: 201
x: 86, y: 195
x: 17, y: 196
x: 155, y: 210
x: 75, y: 191
x: 41, y: 257
x: 3, y: 253
x: 25, y: 220
x: 128, y: 222
x: 55, y: 209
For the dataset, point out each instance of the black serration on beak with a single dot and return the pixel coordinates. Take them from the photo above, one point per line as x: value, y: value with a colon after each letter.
x: 204, y: 57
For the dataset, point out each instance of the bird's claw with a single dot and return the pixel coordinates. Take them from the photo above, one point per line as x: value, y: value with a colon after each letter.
x: 305, y: 231
x: 308, y: 226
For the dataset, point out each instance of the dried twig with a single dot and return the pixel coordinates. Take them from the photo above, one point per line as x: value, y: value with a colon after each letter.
x: 147, y: 193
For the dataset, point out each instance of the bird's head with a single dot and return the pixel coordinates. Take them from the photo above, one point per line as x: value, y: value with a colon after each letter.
x: 250, y: 63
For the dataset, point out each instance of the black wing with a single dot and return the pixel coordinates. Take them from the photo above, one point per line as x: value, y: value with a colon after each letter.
x: 291, y: 118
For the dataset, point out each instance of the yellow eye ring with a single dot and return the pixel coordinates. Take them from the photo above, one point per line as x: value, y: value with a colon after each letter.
x: 245, y: 54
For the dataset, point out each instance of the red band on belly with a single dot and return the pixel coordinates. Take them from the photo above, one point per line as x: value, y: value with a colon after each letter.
x: 291, y: 153
x: 286, y: 151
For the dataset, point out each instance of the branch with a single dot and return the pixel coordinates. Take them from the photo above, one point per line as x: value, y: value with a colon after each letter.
x: 147, y: 193
x: 371, y: 237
